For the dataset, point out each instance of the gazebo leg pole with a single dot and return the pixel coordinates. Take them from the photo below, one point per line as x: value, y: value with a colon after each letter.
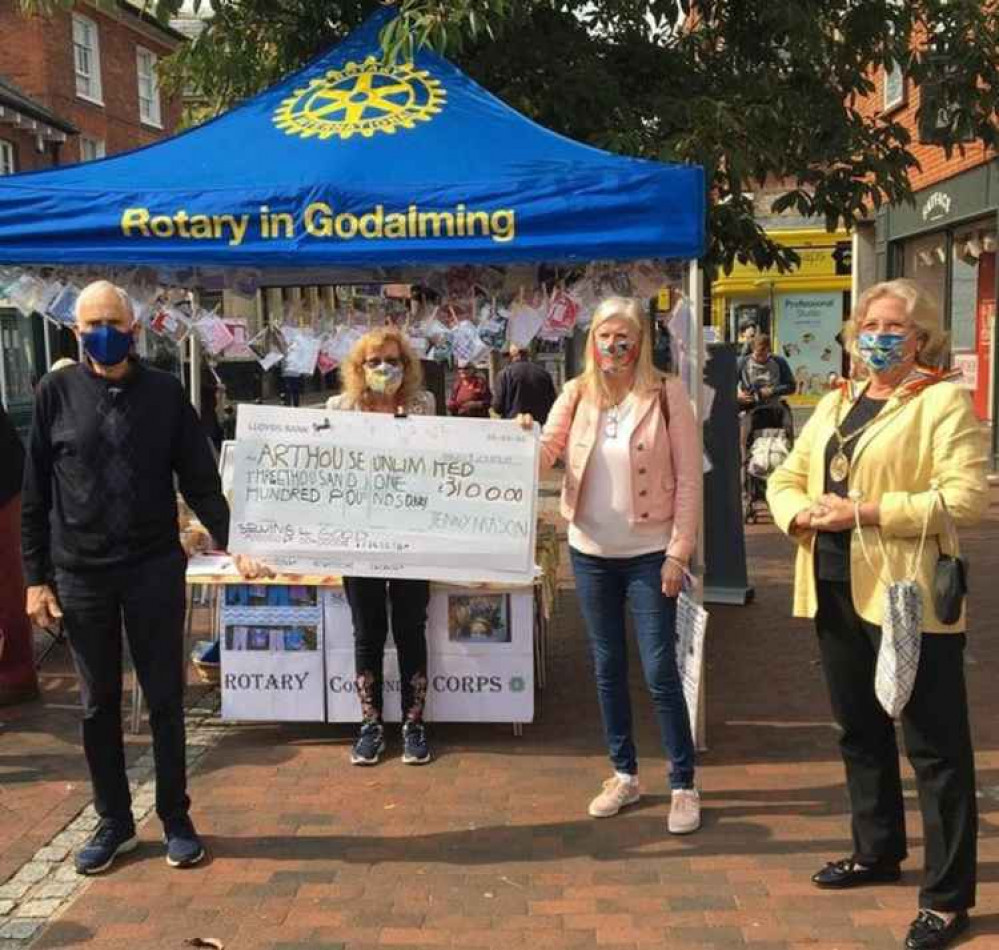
x: 695, y: 294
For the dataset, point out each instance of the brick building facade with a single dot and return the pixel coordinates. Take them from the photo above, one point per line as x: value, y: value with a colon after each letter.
x: 31, y: 136
x: 92, y: 67
x: 946, y: 242
x: 77, y: 85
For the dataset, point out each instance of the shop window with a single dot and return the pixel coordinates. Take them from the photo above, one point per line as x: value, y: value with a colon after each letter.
x: 6, y: 158
x: 893, y: 91
x: 924, y: 260
x: 964, y: 291
x: 91, y: 149
x: 87, y: 59
x: 149, y: 90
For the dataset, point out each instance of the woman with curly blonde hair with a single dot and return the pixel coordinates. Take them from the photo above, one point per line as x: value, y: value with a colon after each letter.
x: 382, y: 374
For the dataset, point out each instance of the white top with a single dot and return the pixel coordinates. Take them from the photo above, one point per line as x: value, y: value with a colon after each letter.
x: 422, y: 404
x: 601, y: 526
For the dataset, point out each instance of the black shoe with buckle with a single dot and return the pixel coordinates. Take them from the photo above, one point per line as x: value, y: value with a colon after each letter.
x: 929, y: 931
x: 840, y: 875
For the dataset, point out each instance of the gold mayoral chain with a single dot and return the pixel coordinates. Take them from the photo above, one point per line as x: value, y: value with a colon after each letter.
x: 839, y: 465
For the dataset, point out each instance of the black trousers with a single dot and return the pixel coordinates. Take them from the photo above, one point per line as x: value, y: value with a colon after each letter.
x: 148, y: 598
x: 369, y: 599
x: 937, y: 741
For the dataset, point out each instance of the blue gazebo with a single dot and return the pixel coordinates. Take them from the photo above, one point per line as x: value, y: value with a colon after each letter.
x: 349, y: 163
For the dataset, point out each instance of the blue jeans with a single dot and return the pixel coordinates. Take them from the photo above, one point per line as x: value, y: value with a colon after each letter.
x: 604, y: 586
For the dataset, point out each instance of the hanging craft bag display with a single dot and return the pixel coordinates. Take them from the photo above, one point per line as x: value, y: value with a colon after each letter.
x: 62, y: 309
x: 302, y: 355
x: 170, y: 322
x: 492, y: 326
x: 525, y: 322
x: 269, y: 346
x: 562, y: 315
x: 214, y: 335
x: 902, y: 623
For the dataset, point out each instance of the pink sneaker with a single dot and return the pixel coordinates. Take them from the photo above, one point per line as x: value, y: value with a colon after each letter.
x: 685, y: 811
x: 616, y: 794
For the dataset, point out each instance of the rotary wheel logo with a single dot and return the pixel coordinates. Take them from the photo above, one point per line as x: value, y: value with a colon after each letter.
x: 361, y: 99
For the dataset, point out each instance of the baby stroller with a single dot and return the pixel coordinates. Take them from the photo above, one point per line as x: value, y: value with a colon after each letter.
x: 769, y: 437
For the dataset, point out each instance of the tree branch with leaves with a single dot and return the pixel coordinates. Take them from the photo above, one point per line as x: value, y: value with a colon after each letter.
x: 758, y: 92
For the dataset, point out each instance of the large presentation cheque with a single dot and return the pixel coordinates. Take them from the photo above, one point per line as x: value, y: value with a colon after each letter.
x: 370, y: 495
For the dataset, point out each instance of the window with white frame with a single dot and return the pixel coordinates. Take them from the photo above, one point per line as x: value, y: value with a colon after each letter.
x: 149, y: 89
x: 6, y: 158
x: 894, y: 88
x: 87, y: 58
x: 91, y: 149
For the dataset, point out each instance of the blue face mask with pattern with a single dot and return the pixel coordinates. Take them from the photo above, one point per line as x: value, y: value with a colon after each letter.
x: 882, y: 351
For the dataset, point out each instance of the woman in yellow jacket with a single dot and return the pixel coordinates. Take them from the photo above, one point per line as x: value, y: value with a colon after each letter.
x: 895, y: 452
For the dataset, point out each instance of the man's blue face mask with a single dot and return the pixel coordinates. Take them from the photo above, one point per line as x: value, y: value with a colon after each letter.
x: 107, y: 345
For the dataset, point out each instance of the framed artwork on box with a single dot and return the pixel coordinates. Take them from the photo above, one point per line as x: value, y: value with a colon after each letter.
x: 478, y: 618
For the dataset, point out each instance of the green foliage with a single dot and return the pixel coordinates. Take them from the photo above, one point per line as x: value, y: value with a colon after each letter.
x: 762, y: 93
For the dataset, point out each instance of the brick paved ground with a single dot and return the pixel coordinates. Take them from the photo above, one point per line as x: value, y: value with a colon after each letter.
x: 43, y: 777
x: 491, y: 846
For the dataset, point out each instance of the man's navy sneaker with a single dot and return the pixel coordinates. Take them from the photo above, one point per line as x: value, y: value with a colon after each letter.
x: 415, y: 749
x: 184, y: 847
x: 109, y: 840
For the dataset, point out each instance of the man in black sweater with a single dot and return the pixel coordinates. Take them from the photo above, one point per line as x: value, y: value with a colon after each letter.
x: 523, y: 387
x: 100, y: 548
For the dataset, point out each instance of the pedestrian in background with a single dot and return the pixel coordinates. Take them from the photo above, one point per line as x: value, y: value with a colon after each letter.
x: 470, y: 396
x: 101, y: 551
x: 632, y: 497
x: 879, y: 466
x: 748, y: 328
x: 524, y: 387
x: 382, y: 374
x: 18, y: 680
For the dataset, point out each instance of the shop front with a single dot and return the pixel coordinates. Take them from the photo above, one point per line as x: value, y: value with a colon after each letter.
x: 802, y: 311
x: 947, y: 244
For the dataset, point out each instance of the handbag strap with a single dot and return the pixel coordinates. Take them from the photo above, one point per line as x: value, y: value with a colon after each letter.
x: 951, y: 527
x: 664, y: 402
x: 917, y: 554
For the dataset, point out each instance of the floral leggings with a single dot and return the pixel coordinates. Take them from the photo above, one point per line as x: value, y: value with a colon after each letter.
x: 369, y: 599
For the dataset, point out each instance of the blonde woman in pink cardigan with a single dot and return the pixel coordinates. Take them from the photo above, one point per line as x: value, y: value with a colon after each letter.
x: 632, y: 497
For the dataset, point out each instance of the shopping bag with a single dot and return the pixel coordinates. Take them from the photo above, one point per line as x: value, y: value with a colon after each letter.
x: 691, y: 628
x: 901, y: 640
x: 901, y: 622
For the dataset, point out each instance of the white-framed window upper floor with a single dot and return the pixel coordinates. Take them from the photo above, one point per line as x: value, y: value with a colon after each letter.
x: 91, y: 149
x: 149, y: 88
x: 87, y: 59
x: 7, y: 165
x: 893, y: 90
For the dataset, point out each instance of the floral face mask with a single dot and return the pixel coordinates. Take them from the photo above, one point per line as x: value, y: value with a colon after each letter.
x: 615, y: 356
x: 383, y: 378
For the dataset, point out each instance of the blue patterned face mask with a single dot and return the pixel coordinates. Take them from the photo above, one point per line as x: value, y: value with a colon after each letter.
x: 882, y: 351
